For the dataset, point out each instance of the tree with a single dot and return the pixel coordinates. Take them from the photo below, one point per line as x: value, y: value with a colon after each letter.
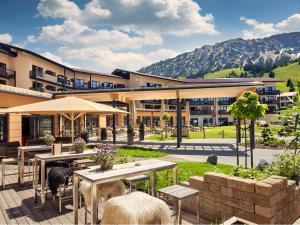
x: 288, y: 83
x: 272, y: 74
x: 292, y: 87
x: 248, y: 107
x: 166, y: 118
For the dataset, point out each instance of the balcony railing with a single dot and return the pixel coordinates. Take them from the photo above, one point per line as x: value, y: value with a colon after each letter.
x: 223, y: 112
x: 201, y: 102
x: 270, y: 101
x: 201, y: 112
x: 6, y: 73
x: 266, y: 92
x: 229, y: 102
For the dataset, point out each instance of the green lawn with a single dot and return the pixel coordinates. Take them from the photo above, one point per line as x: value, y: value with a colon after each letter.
x: 222, y: 73
x: 216, y: 132
x: 136, y: 152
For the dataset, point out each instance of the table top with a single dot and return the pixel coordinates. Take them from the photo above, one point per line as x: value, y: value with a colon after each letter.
x: 46, y: 147
x: 65, y: 155
x: 121, y: 171
x: 179, y: 191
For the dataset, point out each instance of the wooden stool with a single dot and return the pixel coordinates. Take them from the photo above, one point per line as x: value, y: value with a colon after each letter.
x: 83, y: 163
x: 179, y: 193
x: 133, y: 181
x: 4, y: 162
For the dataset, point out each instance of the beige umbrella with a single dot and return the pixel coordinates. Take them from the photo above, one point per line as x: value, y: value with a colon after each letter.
x: 70, y: 107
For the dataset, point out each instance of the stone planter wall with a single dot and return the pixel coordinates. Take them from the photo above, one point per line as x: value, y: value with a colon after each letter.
x: 273, y: 200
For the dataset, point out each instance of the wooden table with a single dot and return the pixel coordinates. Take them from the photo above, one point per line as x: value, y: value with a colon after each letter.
x: 95, y: 176
x: 38, y: 148
x: 48, y: 157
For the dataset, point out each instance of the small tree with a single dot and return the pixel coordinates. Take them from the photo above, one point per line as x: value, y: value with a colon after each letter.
x: 166, y: 118
x: 292, y: 87
x: 248, y: 107
x: 288, y: 83
x: 272, y: 74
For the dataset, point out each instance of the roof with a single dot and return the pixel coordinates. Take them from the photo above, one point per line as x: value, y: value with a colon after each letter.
x: 232, y: 80
x: 166, y: 92
x: 24, y: 92
x: 63, y: 105
x: 94, y: 72
x: 119, y: 71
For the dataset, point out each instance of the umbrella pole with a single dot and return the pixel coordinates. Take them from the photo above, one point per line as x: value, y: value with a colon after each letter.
x: 72, y: 127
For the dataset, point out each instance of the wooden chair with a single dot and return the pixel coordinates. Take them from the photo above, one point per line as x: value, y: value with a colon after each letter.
x: 179, y: 193
x: 133, y: 182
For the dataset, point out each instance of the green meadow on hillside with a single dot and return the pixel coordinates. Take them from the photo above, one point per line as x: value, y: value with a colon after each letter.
x: 282, y: 73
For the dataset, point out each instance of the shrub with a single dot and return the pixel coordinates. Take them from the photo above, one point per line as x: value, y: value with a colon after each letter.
x: 212, y: 159
x: 240, y: 171
x: 285, y: 164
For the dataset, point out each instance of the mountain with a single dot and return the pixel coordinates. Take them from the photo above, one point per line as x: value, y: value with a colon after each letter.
x: 269, y: 52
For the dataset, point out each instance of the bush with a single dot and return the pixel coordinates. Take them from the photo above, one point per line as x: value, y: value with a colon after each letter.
x: 212, y: 159
x: 262, y: 164
x: 285, y: 164
x: 240, y: 171
x: 275, y: 143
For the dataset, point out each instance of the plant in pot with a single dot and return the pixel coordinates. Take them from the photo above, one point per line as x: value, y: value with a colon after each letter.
x: 49, y: 139
x: 79, y: 145
x: 103, y: 134
x: 106, y: 157
x: 130, y: 135
x: 142, y: 131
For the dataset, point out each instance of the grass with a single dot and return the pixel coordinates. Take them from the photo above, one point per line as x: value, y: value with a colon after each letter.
x: 222, y: 73
x: 283, y: 73
x: 216, y: 132
x: 138, y: 152
x: 189, y: 169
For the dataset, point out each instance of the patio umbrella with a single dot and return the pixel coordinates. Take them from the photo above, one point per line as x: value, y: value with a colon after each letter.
x: 70, y: 107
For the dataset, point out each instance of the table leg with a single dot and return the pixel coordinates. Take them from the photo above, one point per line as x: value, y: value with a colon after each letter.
x: 198, y: 208
x: 43, y: 180
x: 176, y: 211
x: 94, y: 204
x: 153, y: 182
x: 35, y: 180
x: 75, y: 199
x: 179, y: 212
x: 21, y: 167
x: 175, y: 175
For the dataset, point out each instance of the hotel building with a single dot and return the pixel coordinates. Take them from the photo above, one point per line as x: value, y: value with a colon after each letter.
x: 25, y: 69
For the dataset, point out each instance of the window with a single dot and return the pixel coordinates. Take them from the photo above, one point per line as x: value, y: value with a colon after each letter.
x: 223, y: 108
x: 37, y: 71
x: 50, y: 88
x: 94, y: 84
x: 3, y: 128
x: 61, y: 79
x: 147, y: 84
x: 79, y: 83
x: 107, y: 85
x: 2, y: 68
x: 44, y: 125
x: 51, y: 73
x: 3, y: 82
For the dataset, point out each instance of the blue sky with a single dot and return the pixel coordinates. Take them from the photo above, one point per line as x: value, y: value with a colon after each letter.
x: 105, y: 34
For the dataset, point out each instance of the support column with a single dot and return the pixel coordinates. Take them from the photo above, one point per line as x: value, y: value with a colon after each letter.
x: 162, y: 111
x: 114, y: 132
x: 178, y: 123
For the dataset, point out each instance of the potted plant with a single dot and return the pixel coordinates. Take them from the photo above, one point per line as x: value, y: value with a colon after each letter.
x: 142, y: 131
x: 130, y: 135
x: 49, y: 139
x: 106, y: 157
x: 85, y: 135
x: 79, y: 145
x: 103, y: 134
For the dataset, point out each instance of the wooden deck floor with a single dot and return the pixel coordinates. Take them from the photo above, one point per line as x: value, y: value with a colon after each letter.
x: 17, y: 206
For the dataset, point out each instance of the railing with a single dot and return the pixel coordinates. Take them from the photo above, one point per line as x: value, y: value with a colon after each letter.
x: 201, y: 102
x: 201, y: 112
x: 270, y: 102
x: 264, y: 92
x: 6, y: 73
x: 36, y: 75
x: 222, y: 112
x: 229, y: 102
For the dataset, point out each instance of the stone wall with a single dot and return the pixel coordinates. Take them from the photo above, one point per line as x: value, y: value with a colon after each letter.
x: 269, y: 201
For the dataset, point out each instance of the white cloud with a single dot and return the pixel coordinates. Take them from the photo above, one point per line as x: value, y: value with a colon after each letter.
x: 5, y: 38
x: 58, y: 9
x: 260, y: 30
x: 57, y: 59
x: 106, y: 58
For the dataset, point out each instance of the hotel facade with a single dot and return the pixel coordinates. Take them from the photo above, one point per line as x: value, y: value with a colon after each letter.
x: 26, y: 70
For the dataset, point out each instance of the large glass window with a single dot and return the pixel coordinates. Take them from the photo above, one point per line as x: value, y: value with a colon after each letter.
x: 45, y: 125
x: 37, y: 71
x: 92, y: 124
x: 3, y: 128
x: 79, y: 83
x: 94, y: 84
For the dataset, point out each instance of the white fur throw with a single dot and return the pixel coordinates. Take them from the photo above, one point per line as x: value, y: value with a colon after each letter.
x: 105, y: 191
x: 136, y: 208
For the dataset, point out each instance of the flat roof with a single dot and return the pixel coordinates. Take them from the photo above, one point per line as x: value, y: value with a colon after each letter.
x: 150, y: 93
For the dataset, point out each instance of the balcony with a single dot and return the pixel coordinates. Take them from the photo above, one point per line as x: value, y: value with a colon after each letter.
x: 266, y: 92
x: 201, y: 102
x: 6, y: 73
x: 229, y: 102
x: 223, y: 112
x: 201, y: 112
x: 34, y: 75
